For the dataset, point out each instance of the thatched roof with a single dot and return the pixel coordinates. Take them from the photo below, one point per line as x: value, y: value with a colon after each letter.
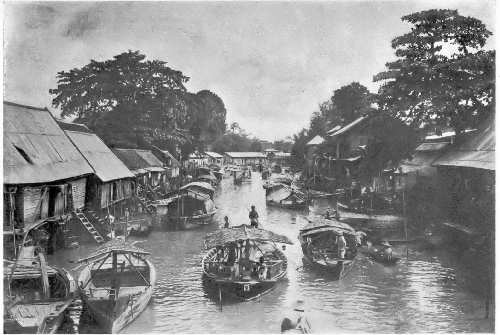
x: 320, y: 224
x: 241, y: 233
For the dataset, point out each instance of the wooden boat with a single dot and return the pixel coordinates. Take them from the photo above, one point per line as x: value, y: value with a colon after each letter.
x: 284, y: 196
x: 36, y: 295
x: 116, y: 284
x: 318, y: 242
x: 377, y: 257
x: 186, y: 209
x: 244, y: 278
x: 200, y: 187
x: 209, y: 179
x: 348, y: 213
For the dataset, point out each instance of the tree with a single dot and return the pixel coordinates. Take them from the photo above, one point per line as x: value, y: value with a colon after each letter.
x: 346, y: 104
x: 441, y: 72
x: 127, y: 100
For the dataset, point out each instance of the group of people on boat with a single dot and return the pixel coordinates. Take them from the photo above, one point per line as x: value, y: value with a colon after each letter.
x: 244, y: 259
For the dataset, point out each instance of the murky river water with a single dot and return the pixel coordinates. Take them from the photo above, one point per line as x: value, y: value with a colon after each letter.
x: 423, y: 293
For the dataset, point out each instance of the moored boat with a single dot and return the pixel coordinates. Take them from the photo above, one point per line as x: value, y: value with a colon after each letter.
x: 318, y: 240
x: 284, y: 196
x: 116, y: 284
x: 36, y: 295
x: 244, y: 262
x: 186, y: 209
x: 200, y: 187
x: 348, y: 213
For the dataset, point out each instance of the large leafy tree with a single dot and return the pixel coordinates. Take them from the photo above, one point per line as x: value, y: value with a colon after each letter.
x: 131, y: 101
x: 442, y: 73
x: 346, y: 104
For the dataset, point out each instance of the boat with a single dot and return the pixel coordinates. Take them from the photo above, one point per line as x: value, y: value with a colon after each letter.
x: 377, y: 257
x: 237, y: 174
x: 200, y: 187
x: 36, y: 295
x: 246, y: 174
x: 116, y: 284
x: 284, y: 196
x: 209, y: 179
x: 248, y: 277
x: 186, y: 209
x: 348, y: 213
x: 318, y: 242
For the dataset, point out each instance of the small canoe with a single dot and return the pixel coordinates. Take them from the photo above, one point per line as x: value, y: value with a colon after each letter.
x: 347, y: 213
x: 377, y: 257
x: 36, y: 295
x: 117, y: 284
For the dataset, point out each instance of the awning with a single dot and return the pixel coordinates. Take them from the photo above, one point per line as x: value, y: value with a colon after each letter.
x: 155, y: 169
x: 241, y: 233
x: 320, y: 224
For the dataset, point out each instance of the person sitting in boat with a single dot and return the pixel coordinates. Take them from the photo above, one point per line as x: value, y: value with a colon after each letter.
x: 226, y: 222
x: 254, y: 217
x: 342, y: 245
x: 328, y: 214
x: 386, y: 250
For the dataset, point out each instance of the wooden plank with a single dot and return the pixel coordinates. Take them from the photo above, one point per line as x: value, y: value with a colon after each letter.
x: 45, y: 277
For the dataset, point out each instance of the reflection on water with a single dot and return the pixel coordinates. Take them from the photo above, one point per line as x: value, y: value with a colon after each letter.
x: 420, y: 294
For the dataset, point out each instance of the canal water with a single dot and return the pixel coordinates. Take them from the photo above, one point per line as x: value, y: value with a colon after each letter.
x: 427, y: 291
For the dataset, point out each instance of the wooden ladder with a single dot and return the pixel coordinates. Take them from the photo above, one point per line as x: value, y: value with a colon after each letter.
x: 90, y: 227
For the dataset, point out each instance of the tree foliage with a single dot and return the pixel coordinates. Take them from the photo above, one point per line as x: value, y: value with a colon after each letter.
x: 130, y: 101
x: 441, y: 73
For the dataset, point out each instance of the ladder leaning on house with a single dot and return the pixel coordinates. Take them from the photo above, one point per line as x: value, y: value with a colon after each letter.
x: 89, y: 226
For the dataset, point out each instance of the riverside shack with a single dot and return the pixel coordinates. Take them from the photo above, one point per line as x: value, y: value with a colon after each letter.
x: 45, y: 178
x: 150, y: 175
x: 110, y: 190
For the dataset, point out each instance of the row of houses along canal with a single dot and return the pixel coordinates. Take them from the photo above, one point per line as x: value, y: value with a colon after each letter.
x: 65, y: 190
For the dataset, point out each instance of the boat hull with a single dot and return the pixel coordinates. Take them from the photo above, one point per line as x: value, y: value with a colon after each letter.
x: 243, y: 290
x: 114, y: 315
x: 190, y: 222
x: 336, y: 271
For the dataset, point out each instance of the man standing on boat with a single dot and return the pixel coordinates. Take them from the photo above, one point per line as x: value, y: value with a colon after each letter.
x: 254, y: 217
x: 342, y: 245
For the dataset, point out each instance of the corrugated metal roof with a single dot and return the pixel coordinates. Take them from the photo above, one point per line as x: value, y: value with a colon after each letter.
x: 478, y: 151
x: 150, y: 159
x: 349, y: 126
x: 106, y: 165
x: 165, y: 155
x: 245, y: 154
x: 316, y: 140
x: 73, y: 126
x: 36, y: 149
x: 213, y: 154
x: 136, y: 159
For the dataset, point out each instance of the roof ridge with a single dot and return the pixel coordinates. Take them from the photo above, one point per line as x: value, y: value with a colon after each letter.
x: 44, y: 109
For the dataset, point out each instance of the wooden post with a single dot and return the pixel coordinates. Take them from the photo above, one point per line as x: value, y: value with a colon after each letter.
x: 220, y: 298
x: 405, y: 222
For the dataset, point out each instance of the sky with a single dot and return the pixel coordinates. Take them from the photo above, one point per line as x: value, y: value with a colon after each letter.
x: 272, y: 63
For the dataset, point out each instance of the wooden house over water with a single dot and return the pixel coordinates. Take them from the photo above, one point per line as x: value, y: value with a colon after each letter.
x: 170, y: 163
x: 111, y: 188
x: 150, y: 175
x: 45, y: 178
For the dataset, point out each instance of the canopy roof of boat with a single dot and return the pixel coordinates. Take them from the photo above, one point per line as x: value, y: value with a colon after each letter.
x: 114, y: 246
x: 243, y: 232
x: 199, y: 184
x: 320, y: 224
x: 207, y: 176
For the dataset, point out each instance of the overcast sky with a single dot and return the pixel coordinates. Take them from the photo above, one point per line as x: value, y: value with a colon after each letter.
x: 271, y: 63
